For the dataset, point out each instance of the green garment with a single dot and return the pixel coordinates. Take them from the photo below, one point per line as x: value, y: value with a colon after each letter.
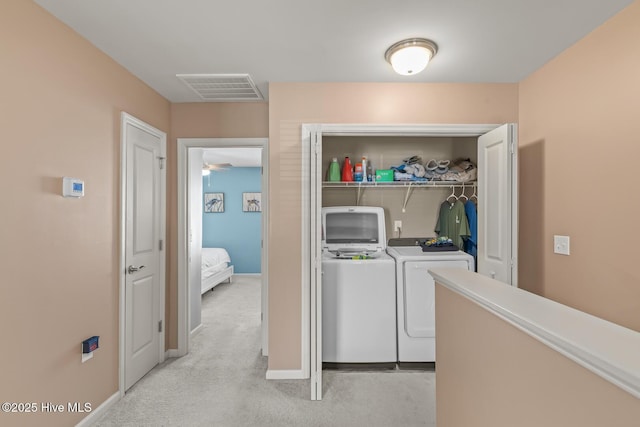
x: 452, y: 222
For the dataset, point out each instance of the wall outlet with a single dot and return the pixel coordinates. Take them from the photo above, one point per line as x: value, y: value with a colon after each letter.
x: 561, y: 245
x: 397, y: 225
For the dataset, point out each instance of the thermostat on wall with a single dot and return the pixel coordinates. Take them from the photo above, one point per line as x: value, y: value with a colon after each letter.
x: 72, y: 187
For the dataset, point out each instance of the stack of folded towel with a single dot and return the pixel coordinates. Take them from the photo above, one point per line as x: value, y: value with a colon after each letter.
x: 411, y: 169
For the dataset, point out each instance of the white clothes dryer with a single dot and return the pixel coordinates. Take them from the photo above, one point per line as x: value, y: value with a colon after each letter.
x: 416, y: 298
x: 358, y: 287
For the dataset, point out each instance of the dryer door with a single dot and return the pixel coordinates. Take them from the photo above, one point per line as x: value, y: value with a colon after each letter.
x: 419, y: 296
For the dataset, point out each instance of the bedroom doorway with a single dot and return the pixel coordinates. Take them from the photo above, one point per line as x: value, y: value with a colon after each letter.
x: 197, y: 194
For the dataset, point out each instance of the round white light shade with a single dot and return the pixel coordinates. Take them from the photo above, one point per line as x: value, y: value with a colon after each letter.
x: 409, y: 57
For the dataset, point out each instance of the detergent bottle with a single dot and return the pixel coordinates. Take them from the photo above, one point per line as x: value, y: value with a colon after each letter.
x: 358, y: 175
x: 334, y: 170
x: 347, y: 170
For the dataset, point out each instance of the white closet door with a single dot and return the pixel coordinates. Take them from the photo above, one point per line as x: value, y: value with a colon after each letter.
x: 498, y: 204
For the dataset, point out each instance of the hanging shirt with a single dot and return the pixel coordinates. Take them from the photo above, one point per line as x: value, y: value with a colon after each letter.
x: 471, y: 242
x: 452, y: 222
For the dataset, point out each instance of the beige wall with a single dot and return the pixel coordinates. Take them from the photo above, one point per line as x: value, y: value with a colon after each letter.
x: 60, y: 107
x: 201, y: 120
x: 290, y: 105
x: 491, y: 374
x: 60, y: 115
x: 579, y: 132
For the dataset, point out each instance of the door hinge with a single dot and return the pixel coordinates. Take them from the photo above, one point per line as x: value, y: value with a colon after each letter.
x: 160, y: 326
x: 162, y: 159
x: 512, y: 147
x: 160, y: 245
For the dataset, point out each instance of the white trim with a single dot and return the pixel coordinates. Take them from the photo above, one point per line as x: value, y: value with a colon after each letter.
x: 513, y: 128
x: 309, y: 336
x: 196, y: 330
x: 604, y: 348
x: 172, y: 353
x: 264, y: 262
x: 96, y: 413
x: 294, y: 374
x: 405, y: 129
x: 183, y: 145
x: 127, y: 119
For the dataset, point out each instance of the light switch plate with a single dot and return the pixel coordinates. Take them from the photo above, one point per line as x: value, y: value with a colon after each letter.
x: 561, y: 245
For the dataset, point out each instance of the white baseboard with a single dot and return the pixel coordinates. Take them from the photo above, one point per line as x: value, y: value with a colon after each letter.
x: 294, y: 374
x: 171, y: 353
x: 196, y: 330
x: 97, y: 412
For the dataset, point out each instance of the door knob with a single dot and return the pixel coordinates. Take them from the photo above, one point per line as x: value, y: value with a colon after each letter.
x: 131, y: 269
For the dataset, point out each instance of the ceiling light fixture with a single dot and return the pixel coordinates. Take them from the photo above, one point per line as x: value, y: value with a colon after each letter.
x: 410, y: 56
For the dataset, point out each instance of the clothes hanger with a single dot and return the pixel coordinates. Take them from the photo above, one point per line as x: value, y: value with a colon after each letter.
x: 474, y: 195
x: 453, y: 194
x: 462, y: 194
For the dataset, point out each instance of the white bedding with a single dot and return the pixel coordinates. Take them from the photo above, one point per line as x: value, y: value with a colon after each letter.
x: 214, y: 260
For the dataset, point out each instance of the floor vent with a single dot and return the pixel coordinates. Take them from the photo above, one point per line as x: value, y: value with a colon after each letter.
x: 222, y: 87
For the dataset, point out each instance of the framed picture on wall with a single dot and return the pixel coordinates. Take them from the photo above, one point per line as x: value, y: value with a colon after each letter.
x: 252, y: 202
x: 213, y: 202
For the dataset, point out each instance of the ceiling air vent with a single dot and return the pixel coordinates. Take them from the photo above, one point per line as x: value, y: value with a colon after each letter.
x: 222, y: 87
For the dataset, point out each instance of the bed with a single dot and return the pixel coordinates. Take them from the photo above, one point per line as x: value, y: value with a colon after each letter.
x: 216, y: 268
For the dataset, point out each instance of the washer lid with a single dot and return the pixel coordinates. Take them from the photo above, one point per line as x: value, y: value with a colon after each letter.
x: 353, y: 229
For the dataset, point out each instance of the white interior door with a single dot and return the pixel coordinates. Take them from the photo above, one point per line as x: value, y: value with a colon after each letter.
x: 144, y: 276
x: 498, y: 204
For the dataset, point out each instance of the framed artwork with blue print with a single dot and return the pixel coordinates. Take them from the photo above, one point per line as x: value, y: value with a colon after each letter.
x: 213, y: 202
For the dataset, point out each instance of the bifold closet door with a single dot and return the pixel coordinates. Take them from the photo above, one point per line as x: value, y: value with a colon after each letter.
x: 498, y: 204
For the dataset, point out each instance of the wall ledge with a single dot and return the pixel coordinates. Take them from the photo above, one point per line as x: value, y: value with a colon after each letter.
x: 608, y: 350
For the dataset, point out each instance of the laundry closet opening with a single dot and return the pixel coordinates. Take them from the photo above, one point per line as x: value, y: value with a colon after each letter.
x: 393, y: 321
x: 412, y: 189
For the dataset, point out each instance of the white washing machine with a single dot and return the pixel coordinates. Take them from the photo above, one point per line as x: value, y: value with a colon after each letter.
x: 416, y: 298
x: 358, y: 295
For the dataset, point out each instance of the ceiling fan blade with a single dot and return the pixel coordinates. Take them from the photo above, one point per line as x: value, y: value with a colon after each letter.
x: 216, y: 166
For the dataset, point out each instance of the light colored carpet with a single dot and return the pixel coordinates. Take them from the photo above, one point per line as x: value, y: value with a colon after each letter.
x: 221, y: 382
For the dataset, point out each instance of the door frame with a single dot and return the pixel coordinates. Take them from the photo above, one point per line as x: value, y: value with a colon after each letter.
x: 311, y: 210
x: 183, y: 145
x: 128, y: 119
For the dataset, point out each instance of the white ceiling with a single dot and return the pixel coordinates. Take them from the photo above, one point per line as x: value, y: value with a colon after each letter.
x: 238, y: 157
x: 330, y: 40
